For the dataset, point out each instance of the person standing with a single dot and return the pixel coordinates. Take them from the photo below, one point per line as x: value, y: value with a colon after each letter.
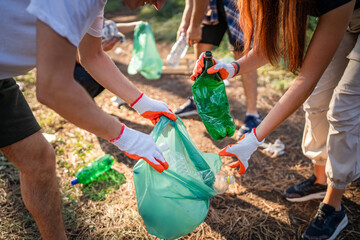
x: 288, y: 19
x: 48, y: 35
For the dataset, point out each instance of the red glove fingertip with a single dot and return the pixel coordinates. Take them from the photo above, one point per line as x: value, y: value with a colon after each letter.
x: 242, y: 169
x: 223, y: 152
x: 211, y: 70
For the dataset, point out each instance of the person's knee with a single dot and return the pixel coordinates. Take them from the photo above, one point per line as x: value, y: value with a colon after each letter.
x: 41, y: 163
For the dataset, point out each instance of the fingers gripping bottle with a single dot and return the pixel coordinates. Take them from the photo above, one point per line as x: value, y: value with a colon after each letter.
x: 94, y: 169
x: 222, y: 182
x: 212, y: 103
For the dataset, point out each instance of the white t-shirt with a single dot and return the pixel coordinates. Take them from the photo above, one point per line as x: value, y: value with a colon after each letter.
x: 71, y: 19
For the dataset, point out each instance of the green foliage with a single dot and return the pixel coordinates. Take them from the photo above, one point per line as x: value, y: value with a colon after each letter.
x: 113, y: 5
x: 171, y: 8
x: 165, y: 22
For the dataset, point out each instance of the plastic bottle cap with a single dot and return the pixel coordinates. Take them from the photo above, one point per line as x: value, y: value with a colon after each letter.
x: 230, y: 179
x: 164, y: 146
x: 74, y: 181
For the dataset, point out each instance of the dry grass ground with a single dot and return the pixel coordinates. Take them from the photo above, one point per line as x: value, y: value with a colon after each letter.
x: 253, y: 207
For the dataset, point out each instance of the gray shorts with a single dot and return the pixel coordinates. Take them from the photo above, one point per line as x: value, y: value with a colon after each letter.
x: 16, y: 119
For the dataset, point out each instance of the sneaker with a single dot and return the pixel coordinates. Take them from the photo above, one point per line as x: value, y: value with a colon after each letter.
x: 327, y: 223
x: 305, y: 191
x: 187, y: 109
x: 251, y: 121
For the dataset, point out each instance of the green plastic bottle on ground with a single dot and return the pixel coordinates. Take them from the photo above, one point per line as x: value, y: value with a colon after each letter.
x: 93, y: 170
x: 212, y: 103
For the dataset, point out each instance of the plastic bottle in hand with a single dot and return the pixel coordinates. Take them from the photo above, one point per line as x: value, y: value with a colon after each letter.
x: 178, y: 51
x: 212, y: 103
x: 222, y: 182
x: 93, y: 170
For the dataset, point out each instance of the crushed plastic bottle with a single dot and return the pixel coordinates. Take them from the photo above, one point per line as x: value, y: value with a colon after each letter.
x: 222, y: 182
x: 110, y: 31
x: 178, y: 51
x: 212, y: 103
x: 176, y: 161
x: 94, y: 169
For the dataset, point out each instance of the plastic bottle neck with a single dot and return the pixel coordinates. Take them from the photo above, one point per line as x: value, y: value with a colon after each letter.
x: 208, y: 60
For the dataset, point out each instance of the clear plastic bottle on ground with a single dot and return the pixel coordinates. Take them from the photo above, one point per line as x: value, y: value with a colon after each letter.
x: 222, y: 182
x: 94, y: 169
x: 178, y: 51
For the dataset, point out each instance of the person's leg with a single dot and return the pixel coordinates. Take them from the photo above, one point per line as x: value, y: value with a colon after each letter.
x: 252, y: 117
x: 201, y: 47
x: 343, y: 162
x: 333, y: 197
x: 317, y: 126
x: 35, y: 159
x: 250, y: 87
x: 22, y: 142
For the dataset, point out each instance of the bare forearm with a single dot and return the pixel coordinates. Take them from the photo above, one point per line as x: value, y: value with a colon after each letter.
x: 127, y: 27
x: 252, y: 61
x: 187, y: 12
x: 103, y: 69
x: 186, y: 17
x: 72, y: 102
x: 296, y: 95
x: 198, y: 11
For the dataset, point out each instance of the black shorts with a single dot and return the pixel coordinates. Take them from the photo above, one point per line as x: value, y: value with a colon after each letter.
x: 213, y: 34
x: 87, y: 81
x: 16, y: 119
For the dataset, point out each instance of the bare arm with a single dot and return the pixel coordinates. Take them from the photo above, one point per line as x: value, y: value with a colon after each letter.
x: 197, y: 15
x: 127, y: 27
x: 325, y: 41
x: 186, y: 17
x: 56, y: 87
x: 103, y: 69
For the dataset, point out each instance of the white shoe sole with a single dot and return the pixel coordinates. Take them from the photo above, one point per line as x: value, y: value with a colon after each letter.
x: 186, y: 114
x: 340, y: 227
x: 319, y: 195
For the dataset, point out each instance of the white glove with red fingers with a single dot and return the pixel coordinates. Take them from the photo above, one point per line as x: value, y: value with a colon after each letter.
x: 138, y: 145
x: 152, y: 109
x: 242, y: 150
x: 226, y: 71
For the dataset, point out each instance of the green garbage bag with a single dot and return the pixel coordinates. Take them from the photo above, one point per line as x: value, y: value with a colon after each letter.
x: 212, y: 103
x: 173, y: 203
x: 145, y: 56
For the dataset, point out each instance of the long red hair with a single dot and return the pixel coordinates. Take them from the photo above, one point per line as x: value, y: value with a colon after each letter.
x: 277, y: 28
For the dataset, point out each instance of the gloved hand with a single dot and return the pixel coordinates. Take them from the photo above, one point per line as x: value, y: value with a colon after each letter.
x: 242, y: 150
x: 226, y: 71
x: 152, y: 109
x: 137, y: 145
